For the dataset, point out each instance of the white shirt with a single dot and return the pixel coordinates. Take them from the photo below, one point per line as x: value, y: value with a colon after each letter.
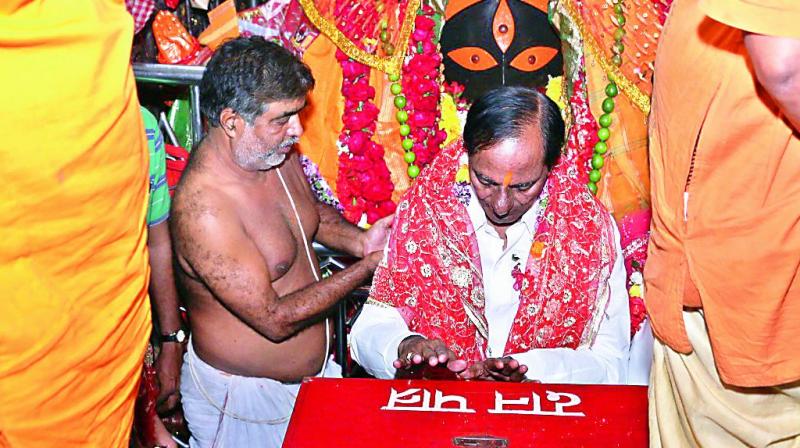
x: 378, y: 331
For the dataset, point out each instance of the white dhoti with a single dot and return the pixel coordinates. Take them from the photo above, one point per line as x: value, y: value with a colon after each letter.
x: 232, y: 411
x: 690, y: 407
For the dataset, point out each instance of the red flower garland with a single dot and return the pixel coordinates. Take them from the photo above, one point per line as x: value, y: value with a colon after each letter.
x: 421, y: 88
x: 364, y: 184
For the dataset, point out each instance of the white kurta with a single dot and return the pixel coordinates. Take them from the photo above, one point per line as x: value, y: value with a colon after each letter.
x: 378, y: 331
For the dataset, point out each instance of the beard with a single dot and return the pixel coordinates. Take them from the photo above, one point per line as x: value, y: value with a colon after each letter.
x: 254, y: 159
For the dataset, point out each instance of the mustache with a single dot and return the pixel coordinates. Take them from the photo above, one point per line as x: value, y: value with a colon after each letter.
x: 291, y: 141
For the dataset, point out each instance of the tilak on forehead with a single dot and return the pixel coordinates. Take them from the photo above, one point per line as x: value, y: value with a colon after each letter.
x: 507, y: 179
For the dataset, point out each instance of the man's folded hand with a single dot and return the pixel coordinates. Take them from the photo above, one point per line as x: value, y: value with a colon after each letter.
x: 496, y: 369
x: 427, y: 358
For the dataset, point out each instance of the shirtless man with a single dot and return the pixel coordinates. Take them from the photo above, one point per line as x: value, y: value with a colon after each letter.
x: 244, y: 219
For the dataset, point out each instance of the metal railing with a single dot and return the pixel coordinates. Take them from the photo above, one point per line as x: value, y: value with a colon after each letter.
x: 176, y: 75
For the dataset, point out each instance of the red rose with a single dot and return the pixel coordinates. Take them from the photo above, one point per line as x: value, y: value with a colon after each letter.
x: 422, y: 119
x: 370, y: 109
x: 356, y: 120
x: 386, y: 208
x: 428, y: 47
x: 358, y: 91
x: 424, y: 23
x: 374, y: 192
x: 421, y: 34
x: 356, y: 142
x: 352, y: 69
x: 375, y: 152
x: 638, y: 314
x: 422, y: 63
x: 427, y: 103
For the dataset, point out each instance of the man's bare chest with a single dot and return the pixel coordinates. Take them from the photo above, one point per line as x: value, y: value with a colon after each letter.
x: 278, y: 223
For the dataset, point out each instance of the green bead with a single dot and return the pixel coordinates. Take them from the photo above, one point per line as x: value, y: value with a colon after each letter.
x: 400, y: 102
x: 405, y: 129
x: 618, y: 8
x: 619, y: 33
x: 413, y: 171
x: 600, y: 148
x: 384, y: 36
x: 394, y: 77
x: 621, y: 19
x: 410, y: 157
x: 594, y: 176
x: 396, y: 89
x: 605, y: 120
x: 592, y: 187
x: 603, y: 134
x: 612, y: 90
x: 402, y: 116
x: 389, y: 49
x: 608, y: 105
x: 618, y: 47
x: 616, y: 60
x: 597, y: 161
x: 407, y: 144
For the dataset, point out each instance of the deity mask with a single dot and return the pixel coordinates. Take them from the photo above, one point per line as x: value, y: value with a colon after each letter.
x: 489, y: 43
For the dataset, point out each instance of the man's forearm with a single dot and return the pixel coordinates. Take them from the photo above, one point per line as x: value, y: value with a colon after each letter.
x: 337, y: 233
x: 293, y: 312
x: 163, y: 293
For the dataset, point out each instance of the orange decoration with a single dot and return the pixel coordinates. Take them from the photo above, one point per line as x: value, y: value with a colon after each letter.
x: 456, y: 6
x: 533, y: 58
x: 473, y: 58
x: 503, y: 26
x: 541, y: 5
x: 224, y: 25
x: 537, y: 249
x: 175, y: 44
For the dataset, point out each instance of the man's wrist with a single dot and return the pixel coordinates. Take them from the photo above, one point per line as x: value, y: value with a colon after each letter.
x: 178, y: 336
x: 361, y: 247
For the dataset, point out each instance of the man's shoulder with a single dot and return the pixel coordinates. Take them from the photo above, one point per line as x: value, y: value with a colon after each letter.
x: 199, y: 206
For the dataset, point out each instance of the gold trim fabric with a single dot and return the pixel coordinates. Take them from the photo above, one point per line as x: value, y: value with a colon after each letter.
x: 637, y: 97
x: 391, y: 64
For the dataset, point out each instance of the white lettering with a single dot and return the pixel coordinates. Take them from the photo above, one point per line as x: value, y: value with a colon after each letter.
x: 501, y: 405
x: 413, y: 400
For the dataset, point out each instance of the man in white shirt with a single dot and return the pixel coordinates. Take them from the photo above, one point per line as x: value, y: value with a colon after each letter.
x: 501, y: 265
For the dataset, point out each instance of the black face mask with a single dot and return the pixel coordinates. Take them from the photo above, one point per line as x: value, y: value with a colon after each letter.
x: 499, y: 42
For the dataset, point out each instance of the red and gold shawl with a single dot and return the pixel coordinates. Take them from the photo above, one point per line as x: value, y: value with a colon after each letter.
x: 432, y: 272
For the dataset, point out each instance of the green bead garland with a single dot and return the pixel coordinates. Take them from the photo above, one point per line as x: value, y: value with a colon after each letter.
x: 405, y: 130
x: 611, y: 91
x: 402, y: 114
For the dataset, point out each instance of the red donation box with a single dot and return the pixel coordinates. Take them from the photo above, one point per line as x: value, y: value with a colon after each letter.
x: 418, y: 414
